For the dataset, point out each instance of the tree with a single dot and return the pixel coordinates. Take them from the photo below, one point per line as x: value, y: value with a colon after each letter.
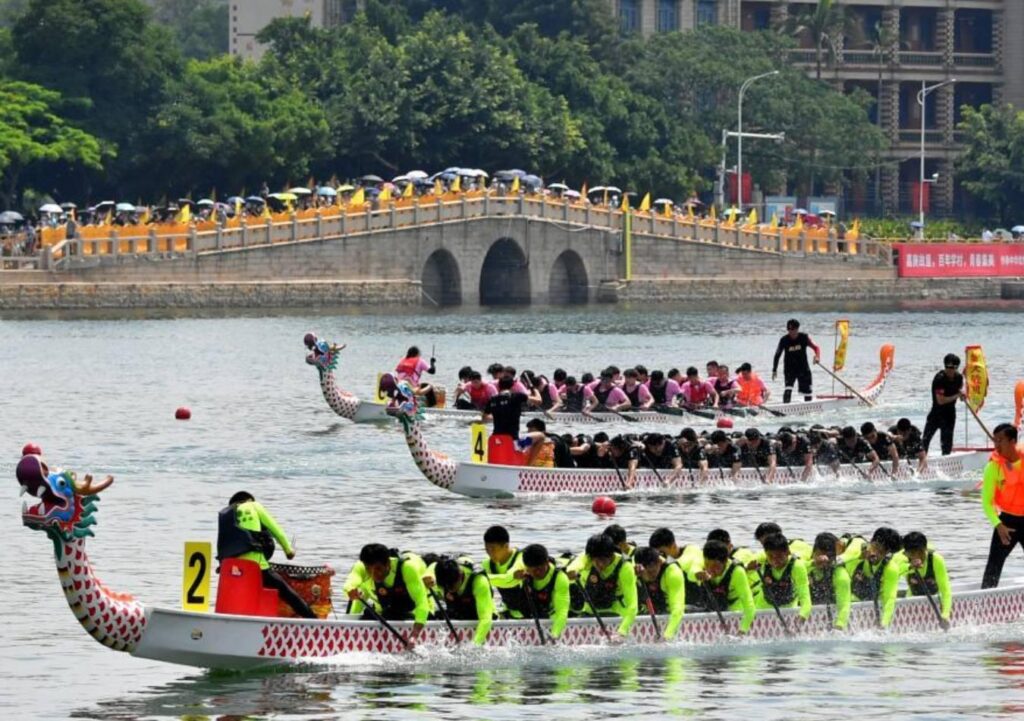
x: 32, y: 133
x: 109, y: 63
x: 826, y: 23
x: 201, y: 26
x: 992, y: 166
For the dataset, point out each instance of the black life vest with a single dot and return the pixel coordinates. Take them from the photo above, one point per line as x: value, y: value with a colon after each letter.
x: 602, y: 395
x: 574, y: 399
x: 659, y: 393
x: 395, y: 602
x: 462, y: 606
x: 919, y: 584
x: 822, y: 586
x: 545, y: 395
x: 633, y: 395
x: 716, y: 594
x: 865, y: 583
x: 543, y: 598
x: 658, y: 597
x: 234, y: 541
x: 514, y: 599
x: 563, y: 458
x: 778, y: 591
x: 604, y: 592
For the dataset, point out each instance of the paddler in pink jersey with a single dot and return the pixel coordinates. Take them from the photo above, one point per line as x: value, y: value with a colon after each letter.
x: 411, y: 368
x: 698, y: 393
x: 605, y: 395
x: 663, y: 390
x: 639, y: 397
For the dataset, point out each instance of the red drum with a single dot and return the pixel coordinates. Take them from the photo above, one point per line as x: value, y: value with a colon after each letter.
x: 312, y: 583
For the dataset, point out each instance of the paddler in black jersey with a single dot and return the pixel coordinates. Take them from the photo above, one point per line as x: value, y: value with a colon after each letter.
x: 723, y: 453
x: 793, y: 452
x: 881, y: 444
x: 624, y: 454
x: 758, y: 452
x: 854, y: 449
x: 661, y: 453
x: 691, y: 454
x: 907, y: 438
x: 792, y: 349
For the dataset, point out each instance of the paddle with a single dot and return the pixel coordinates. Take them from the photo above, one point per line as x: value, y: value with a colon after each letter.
x: 851, y: 462
x: 980, y: 423
x: 846, y: 385
x: 943, y: 623
x: 618, y: 473
x: 600, y: 621
x: 528, y: 592
x: 757, y: 409
x: 623, y: 416
x: 368, y: 606
x: 714, y: 606
x: 650, y: 605
x: 654, y: 468
x: 778, y: 611
x: 693, y: 410
x: 757, y: 467
x: 670, y: 411
x: 447, y: 618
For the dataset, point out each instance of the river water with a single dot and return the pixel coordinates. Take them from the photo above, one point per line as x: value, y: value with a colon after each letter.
x: 98, y: 394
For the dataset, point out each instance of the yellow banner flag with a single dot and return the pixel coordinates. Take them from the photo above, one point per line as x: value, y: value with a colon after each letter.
x: 843, y: 336
x: 714, y: 213
x: 775, y: 222
x: 666, y: 209
x: 689, y: 211
x: 407, y: 193
x: 645, y: 204
x: 456, y: 186
x: 185, y: 214
x: 358, y: 197
x: 583, y: 191
x: 385, y: 194
x: 752, y: 218
x: 975, y: 377
x: 625, y: 202
x: 438, y: 188
x: 515, y: 184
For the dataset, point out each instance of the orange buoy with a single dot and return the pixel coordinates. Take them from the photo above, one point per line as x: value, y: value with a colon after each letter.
x: 724, y: 423
x: 183, y: 414
x: 31, y: 449
x: 603, y: 506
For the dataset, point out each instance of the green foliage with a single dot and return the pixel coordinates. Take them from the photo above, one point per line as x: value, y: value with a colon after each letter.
x: 992, y: 166
x: 200, y: 26
x: 32, y: 133
x: 935, y: 228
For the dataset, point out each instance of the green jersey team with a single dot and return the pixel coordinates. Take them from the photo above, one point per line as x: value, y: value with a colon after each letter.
x: 613, y: 578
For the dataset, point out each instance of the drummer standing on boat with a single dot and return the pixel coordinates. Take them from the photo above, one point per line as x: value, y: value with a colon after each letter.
x: 1002, y: 497
x: 792, y: 349
x: 947, y: 387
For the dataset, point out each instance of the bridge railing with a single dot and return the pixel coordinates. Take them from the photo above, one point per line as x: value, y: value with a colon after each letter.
x: 334, y: 222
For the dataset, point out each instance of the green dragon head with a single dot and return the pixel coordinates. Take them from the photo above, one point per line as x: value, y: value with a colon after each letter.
x: 66, y: 507
x: 321, y: 354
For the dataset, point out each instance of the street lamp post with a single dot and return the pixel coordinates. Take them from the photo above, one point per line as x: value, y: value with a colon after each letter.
x: 922, y: 97
x: 739, y: 127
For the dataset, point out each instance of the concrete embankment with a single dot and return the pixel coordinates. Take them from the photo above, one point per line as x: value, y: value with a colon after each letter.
x: 224, y: 294
x: 802, y: 289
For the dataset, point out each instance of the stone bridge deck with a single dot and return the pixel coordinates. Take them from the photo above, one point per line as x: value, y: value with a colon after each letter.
x: 462, y: 250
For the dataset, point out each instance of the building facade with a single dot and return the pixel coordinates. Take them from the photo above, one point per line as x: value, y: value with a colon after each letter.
x: 247, y: 17
x: 976, y: 42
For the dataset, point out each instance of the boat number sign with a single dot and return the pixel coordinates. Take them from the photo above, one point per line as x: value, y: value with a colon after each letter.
x: 195, y: 587
x: 478, y: 441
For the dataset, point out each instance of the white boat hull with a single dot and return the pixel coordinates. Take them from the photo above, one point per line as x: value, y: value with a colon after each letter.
x: 245, y: 642
x: 484, y: 480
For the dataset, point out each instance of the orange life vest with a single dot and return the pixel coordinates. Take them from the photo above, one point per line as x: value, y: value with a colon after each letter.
x: 1009, y: 495
x: 407, y: 366
x: 750, y: 391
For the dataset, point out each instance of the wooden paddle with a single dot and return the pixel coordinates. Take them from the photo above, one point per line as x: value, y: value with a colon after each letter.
x: 709, y: 598
x: 528, y: 592
x: 444, y: 613
x: 650, y: 605
x: 778, y: 611
x: 368, y: 605
x: 846, y: 385
x: 943, y: 623
x: 600, y: 621
x: 618, y: 473
x: 980, y: 422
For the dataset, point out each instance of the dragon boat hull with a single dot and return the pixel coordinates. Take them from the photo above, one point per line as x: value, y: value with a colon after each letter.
x: 484, y: 480
x: 227, y: 642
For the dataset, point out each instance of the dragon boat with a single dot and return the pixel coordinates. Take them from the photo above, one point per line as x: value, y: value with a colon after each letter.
x: 324, y: 357
x: 65, y: 509
x: 493, y: 480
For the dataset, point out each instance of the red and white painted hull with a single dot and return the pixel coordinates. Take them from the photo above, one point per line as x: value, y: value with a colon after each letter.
x: 484, y: 480
x: 244, y: 642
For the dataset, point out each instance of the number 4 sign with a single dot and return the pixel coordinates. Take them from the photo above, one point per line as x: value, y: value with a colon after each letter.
x: 195, y: 587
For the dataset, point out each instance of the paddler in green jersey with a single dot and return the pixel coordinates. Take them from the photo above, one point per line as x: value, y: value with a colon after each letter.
x: 783, y: 578
x: 467, y: 595
x: 849, y: 550
x: 725, y: 584
x: 799, y: 547
x: 393, y: 583
x: 662, y: 581
x: 547, y: 587
x: 741, y: 555
x: 663, y: 540
x: 609, y: 580
x: 926, y: 574
x: 242, y: 529
x: 876, y: 574
x: 618, y: 535
x: 501, y: 566
x: 829, y: 581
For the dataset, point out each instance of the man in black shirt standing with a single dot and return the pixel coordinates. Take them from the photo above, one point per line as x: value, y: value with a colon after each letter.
x: 506, y: 408
x: 792, y: 349
x: 947, y: 387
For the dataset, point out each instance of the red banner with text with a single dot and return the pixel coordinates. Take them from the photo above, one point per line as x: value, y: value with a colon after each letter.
x: 960, y: 260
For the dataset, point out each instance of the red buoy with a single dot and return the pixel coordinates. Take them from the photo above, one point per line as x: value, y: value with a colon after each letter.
x: 725, y: 423
x: 31, y: 449
x: 603, y: 506
x: 183, y: 414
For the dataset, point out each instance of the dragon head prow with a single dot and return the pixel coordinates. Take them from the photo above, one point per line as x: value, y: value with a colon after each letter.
x: 321, y: 354
x: 66, y: 504
x: 405, y: 405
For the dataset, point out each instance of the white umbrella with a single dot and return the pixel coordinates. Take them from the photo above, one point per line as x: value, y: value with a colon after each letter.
x: 205, y: 201
x: 124, y: 208
x: 1017, y: 229
x: 826, y: 212
x: 664, y: 201
x: 480, y: 173
x: 51, y: 208
x: 300, y: 191
x: 800, y: 211
x: 558, y: 186
x: 573, y: 194
x: 400, y: 179
x: 417, y: 175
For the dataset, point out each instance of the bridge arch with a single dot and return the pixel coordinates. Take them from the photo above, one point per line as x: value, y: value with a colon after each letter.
x: 568, y: 283
x: 505, y: 275
x: 441, y: 282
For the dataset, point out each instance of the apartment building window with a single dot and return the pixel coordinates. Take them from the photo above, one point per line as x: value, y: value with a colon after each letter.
x: 972, y: 31
x: 707, y: 12
x: 629, y: 15
x: 910, y: 109
x: 668, y: 16
x: 971, y: 94
x: 755, y: 16
x: 917, y: 29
